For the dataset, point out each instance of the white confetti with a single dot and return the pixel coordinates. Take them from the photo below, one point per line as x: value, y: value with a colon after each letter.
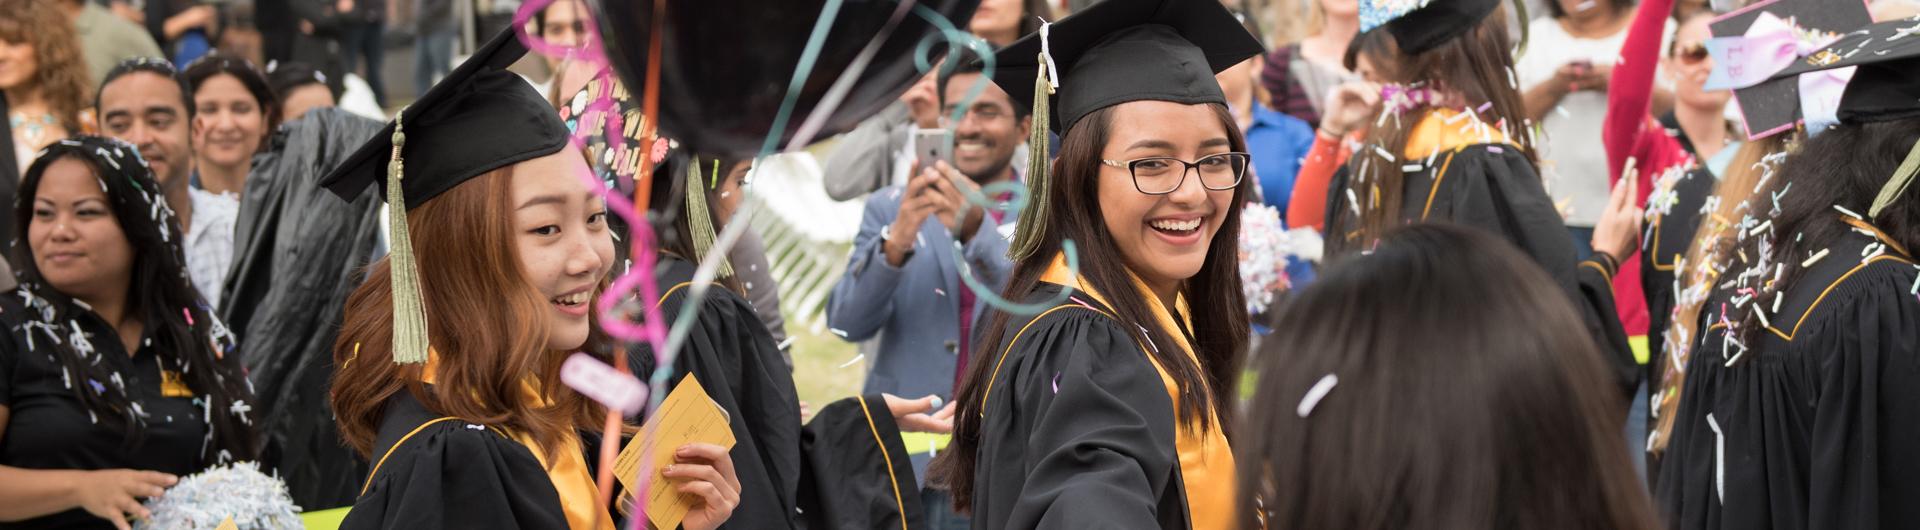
x: 1815, y: 258
x: 1315, y: 394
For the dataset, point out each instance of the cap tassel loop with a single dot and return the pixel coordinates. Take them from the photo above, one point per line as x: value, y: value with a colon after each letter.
x: 409, y: 306
x: 699, y: 219
x: 1898, y: 184
x: 1032, y: 223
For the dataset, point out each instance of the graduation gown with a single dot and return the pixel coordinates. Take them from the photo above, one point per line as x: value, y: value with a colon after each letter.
x: 1672, y: 221
x: 1815, y: 426
x: 1078, y: 426
x: 1472, y: 176
x: 847, y: 468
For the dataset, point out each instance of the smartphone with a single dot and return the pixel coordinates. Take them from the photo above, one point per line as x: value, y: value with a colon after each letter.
x: 932, y: 145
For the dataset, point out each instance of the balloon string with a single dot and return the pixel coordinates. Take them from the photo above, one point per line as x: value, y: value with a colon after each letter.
x: 838, y: 92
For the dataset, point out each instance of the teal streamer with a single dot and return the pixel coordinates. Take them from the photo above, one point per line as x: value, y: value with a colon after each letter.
x: 810, y: 55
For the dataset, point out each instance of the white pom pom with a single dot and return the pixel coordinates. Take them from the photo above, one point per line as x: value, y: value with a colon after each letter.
x: 239, y: 491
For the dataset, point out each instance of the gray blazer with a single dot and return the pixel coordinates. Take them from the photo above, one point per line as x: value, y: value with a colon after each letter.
x: 914, y: 308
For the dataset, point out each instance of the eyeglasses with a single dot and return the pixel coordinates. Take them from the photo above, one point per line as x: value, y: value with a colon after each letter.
x: 1690, y: 53
x: 1160, y: 175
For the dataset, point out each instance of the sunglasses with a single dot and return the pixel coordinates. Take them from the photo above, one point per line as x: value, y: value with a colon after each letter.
x: 1690, y: 53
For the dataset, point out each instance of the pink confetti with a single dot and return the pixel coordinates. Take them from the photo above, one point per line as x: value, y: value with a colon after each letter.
x: 1056, y: 382
x: 188, y: 314
x: 603, y: 383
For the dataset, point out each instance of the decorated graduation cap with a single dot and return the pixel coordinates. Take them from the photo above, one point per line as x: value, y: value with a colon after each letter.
x: 1421, y: 25
x: 1752, y: 45
x: 1114, y: 52
x: 481, y: 117
x: 1885, y: 86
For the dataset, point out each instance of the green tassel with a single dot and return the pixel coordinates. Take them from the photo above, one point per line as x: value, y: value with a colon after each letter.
x: 1033, y: 219
x: 409, y: 306
x: 1520, y: 8
x: 700, y: 220
x: 1898, y: 184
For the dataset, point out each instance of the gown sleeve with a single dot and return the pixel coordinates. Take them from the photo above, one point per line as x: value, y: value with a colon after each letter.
x: 1078, y: 433
x: 449, y: 475
x: 857, y: 473
x: 1501, y: 193
x: 739, y: 366
x: 1864, y: 471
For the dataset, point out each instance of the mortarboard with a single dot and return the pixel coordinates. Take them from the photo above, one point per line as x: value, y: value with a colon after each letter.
x: 1885, y: 87
x: 1421, y: 25
x: 1114, y: 52
x: 481, y: 117
x: 1752, y: 44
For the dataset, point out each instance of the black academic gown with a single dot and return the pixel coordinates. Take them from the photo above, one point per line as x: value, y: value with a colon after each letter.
x: 1669, y: 236
x: 1077, y: 430
x: 446, y: 473
x: 1494, y: 187
x: 845, y: 469
x: 1817, y: 425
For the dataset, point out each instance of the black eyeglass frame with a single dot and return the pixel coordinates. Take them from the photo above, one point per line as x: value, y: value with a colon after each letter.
x: 1189, y: 167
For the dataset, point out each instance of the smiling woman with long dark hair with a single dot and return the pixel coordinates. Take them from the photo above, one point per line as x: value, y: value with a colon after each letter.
x: 1107, y: 408
x: 115, y: 377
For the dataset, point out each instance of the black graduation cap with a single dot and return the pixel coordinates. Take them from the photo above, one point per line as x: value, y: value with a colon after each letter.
x: 1126, y: 50
x: 1114, y: 52
x: 1773, y: 106
x: 1421, y: 25
x: 479, y: 118
x: 1886, y: 87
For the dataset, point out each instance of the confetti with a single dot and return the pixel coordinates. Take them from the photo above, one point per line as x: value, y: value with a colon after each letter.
x: 837, y: 331
x: 1056, y: 383
x: 1315, y: 394
x: 603, y: 383
x: 1849, y: 213
x: 856, y: 359
x: 1815, y: 258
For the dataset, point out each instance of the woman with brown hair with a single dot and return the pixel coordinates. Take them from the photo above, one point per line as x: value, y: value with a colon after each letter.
x: 1103, y: 403
x: 1401, y: 395
x: 449, y: 354
x: 43, y: 88
x: 1451, y: 147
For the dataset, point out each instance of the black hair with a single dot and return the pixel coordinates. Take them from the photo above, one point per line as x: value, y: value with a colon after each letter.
x: 1619, y: 6
x: 1204, y: 381
x: 146, y: 65
x: 181, y: 326
x: 1441, y: 412
x: 672, y: 228
x: 217, y: 63
x: 965, y: 61
x: 1843, y: 167
x: 284, y: 78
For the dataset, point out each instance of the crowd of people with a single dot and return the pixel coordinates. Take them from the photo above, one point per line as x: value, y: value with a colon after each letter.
x: 1573, y: 266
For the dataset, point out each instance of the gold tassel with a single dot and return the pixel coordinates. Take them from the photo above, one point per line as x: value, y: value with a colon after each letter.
x: 699, y: 219
x: 1520, y: 8
x: 1898, y: 184
x: 409, y: 306
x: 1032, y: 223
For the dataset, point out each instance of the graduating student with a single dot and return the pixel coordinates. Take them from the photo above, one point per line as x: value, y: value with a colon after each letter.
x: 1107, y: 407
x: 847, y: 467
x: 448, y: 356
x: 1801, y: 398
x: 472, y: 427
x: 1452, y: 148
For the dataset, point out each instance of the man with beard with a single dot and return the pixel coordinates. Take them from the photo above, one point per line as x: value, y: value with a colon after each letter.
x: 903, y: 282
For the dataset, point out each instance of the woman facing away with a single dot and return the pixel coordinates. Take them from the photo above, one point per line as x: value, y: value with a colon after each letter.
x: 1400, y: 395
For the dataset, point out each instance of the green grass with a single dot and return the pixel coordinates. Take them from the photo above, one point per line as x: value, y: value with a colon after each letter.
x: 818, y: 373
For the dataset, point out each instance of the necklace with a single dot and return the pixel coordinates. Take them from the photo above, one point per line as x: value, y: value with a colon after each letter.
x: 32, y: 130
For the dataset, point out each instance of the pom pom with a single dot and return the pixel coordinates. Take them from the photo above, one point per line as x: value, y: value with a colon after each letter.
x: 239, y: 491
x: 1266, y: 247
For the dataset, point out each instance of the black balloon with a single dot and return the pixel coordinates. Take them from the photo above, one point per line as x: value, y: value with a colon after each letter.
x: 728, y: 63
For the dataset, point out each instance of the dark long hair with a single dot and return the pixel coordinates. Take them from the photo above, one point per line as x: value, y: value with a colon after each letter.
x: 1474, y: 67
x: 1444, y: 414
x: 1845, y: 166
x: 159, y: 292
x: 1219, y: 337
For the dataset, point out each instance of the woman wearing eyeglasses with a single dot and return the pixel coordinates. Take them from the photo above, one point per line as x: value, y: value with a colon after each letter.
x: 1103, y: 403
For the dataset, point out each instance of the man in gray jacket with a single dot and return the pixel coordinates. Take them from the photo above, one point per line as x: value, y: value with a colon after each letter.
x: 902, y: 282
